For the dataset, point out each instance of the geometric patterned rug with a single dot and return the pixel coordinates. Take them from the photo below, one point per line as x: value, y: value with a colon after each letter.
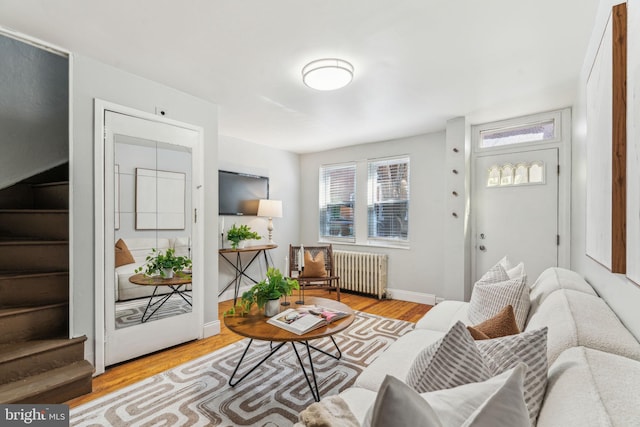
x: 129, y: 313
x: 197, y: 393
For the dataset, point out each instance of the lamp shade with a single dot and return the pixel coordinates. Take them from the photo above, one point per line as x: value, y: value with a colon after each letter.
x: 270, y: 208
x: 327, y: 74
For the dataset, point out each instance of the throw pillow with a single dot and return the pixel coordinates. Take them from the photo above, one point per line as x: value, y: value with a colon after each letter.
x: 530, y: 347
x: 314, y: 266
x: 468, y: 405
x: 500, y: 325
x: 451, y: 361
x: 487, y: 299
x: 495, y: 274
x: 123, y: 255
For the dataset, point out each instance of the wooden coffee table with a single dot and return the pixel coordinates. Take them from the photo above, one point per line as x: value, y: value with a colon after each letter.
x: 175, y: 283
x: 254, y: 326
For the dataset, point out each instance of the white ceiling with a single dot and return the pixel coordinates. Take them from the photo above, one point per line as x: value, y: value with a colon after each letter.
x: 417, y: 63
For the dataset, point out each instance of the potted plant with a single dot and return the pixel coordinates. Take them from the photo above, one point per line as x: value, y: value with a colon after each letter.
x: 267, y: 293
x: 238, y: 234
x: 164, y: 264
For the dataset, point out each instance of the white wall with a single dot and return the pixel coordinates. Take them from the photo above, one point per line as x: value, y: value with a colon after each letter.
x: 33, y: 110
x: 416, y: 273
x: 283, y: 170
x: 622, y: 295
x: 92, y: 79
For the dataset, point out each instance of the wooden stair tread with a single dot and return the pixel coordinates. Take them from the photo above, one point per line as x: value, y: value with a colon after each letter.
x: 4, y: 312
x: 15, y: 241
x: 35, y: 211
x: 23, y: 274
x: 36, y: 384
x: 50, y: 184
x: 13, y: 351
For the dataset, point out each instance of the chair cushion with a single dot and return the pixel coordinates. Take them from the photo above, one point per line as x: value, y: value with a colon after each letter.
x: 314, y: 266
x: 123, y: 255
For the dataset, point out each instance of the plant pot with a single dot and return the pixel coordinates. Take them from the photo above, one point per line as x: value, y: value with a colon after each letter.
x: 242, y: 244
x: 272, y: 307
x: 168, y: 273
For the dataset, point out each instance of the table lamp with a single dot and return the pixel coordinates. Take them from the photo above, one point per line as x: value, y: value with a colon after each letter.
x: 271, y: 209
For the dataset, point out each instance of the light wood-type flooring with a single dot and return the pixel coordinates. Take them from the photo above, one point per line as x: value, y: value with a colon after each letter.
x: 122, y: 375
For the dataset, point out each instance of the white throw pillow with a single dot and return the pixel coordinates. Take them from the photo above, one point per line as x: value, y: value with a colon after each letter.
x: 451, y: 361
x: 495, y: 274
x: 496, y: 402
x: 488, y: 299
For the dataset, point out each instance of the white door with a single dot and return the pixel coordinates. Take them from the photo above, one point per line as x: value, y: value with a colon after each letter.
x: 514, y: 217
x: 148, y: 215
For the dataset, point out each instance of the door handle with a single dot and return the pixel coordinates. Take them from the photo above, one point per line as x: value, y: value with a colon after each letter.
x: 482, y: 248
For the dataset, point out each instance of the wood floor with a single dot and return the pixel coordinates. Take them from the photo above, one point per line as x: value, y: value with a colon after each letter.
x: 119, y: 376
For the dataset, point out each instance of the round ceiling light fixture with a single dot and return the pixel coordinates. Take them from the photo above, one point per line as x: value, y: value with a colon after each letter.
x: 327, y: 74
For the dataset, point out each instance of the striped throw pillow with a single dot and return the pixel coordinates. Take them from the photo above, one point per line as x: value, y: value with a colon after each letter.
x: 530, y: 347
x: 451, y: 361
x: 488, y: 299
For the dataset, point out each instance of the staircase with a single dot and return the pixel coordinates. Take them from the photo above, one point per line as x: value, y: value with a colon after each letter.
x: 38, y: 362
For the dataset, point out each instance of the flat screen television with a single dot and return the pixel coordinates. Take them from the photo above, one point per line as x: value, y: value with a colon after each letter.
x: 238, y: 193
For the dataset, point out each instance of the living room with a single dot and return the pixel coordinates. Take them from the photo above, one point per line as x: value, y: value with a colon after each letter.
x: 436, y: 266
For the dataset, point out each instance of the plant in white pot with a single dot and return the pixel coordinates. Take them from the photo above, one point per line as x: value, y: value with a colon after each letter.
x: 164, y: 264
x: 266, y: 294
x: 238, y: 234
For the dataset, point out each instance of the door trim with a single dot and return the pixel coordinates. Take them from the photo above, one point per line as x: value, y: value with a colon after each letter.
x: 564, y: 179
x: 100, y: 107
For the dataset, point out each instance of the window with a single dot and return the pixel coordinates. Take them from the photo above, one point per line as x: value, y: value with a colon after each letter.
x: 388, y: 199
x: 544, y: 131
x: 337, y: 199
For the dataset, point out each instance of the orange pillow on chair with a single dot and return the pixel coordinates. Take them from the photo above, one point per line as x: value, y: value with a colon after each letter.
x: 314, y: 267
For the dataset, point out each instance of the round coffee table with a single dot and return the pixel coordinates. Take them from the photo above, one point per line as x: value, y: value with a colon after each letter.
x: 175, y: 283
x: 255, y: 327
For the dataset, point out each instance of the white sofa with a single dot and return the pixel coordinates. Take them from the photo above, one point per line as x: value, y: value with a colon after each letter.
x: 140, y: 248
x: 594, y: 361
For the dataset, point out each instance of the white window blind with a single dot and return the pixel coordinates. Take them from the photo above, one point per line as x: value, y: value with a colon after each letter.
x: 388, y: 199
x: 337, y: 198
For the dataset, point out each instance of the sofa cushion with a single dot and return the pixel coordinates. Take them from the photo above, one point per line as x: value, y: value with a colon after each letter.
x: 444, y: 315
x: 487, y: 299
x: 451, y: 361
x: 500, y: 325
x: 397, y: 359
x: 499, y: 401
x: 576, y: 319
x: 553, y: 279
x: 588, y: 387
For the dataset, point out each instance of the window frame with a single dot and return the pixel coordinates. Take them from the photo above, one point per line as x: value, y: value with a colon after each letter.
x: 321, y: 189
x: 518, y: 122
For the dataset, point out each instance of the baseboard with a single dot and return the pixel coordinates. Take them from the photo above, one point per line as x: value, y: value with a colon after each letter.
x: 417, y: 297
x: 210, y: 329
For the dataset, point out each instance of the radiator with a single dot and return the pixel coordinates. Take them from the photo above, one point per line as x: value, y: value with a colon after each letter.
x: 362, y: 272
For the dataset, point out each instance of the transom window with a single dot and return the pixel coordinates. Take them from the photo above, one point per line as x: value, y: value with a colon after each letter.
x: 543, y: 131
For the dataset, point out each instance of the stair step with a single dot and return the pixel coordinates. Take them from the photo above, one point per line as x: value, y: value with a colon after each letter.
x: 33, y: 323
x: 51, y: 195
x: 55, y: 386
x: 20, y: 360
x: 18, y: 196
x: 29, y: 289
x: 45, y: 255
x: 51, y: 224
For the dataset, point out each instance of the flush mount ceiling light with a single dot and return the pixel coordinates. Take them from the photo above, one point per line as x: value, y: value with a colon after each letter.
x: 327, y: 74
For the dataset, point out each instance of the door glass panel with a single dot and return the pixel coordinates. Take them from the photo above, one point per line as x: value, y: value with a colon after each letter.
x: 152, y: 190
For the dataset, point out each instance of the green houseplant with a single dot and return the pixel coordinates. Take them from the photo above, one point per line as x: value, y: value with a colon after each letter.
x: 238, y: 233
x: 165, y: 264
x: 269, y: 289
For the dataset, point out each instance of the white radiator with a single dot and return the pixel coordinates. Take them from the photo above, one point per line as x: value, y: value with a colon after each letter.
x: 362, y: 272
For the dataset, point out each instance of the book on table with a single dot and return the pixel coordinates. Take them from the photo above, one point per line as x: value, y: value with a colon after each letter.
x: 306, y: 318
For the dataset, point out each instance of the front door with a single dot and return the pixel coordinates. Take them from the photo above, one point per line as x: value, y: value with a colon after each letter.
x: 516, y: 210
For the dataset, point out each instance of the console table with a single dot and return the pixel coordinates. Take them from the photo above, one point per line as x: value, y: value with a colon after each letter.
x: 239, y: 267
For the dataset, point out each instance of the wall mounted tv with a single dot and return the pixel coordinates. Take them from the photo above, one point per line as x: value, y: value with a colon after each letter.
x: 238, y: 193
